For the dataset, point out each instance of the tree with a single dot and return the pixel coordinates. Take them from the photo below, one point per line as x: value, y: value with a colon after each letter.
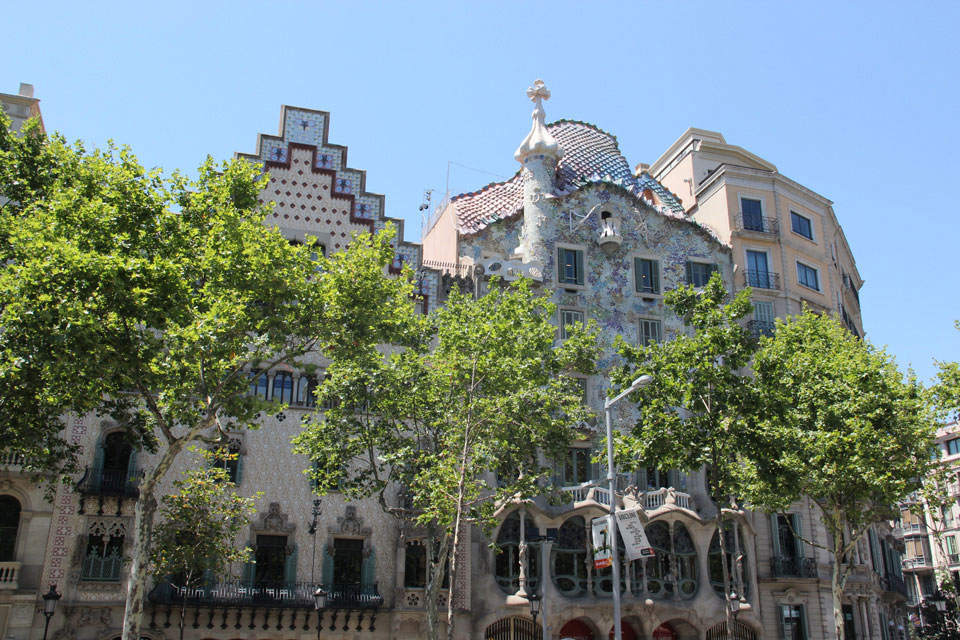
x: 479, y: 386
x: 945, y: 393
x: 840, y: 425
x: 695, y: 412
x: 150, y: 299
x: 199, y: 523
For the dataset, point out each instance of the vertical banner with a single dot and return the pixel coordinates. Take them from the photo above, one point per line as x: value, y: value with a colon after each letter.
x: 602, y: 538
x: 634, y: 537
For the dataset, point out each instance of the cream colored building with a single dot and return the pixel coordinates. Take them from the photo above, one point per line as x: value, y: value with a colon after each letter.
x: 787, y: 242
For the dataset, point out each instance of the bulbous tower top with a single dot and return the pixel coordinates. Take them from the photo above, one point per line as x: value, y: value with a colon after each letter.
x: 538, y: 141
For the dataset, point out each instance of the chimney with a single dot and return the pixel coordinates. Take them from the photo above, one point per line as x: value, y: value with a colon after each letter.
x: 26, y: 90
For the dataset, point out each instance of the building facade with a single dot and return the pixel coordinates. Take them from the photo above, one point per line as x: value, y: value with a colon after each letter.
x: 604, y: 243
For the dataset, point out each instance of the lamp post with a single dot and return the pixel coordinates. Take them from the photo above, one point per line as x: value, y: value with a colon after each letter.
x: 642, y: 381
x: 319, y: 603
x: 313, y: 532
x: 734, y: 600
x: 50, y: 599
x: 534, y: 599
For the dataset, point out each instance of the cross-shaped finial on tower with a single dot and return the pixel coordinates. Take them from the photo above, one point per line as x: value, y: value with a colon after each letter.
x: 538, y: 92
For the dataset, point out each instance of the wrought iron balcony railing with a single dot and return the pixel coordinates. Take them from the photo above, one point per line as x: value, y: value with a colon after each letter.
x: 278, y: 594
x: 109, y: 483
x: 757, y: 224
x: 761, y: 279
x: 782, y: 567
x: 11, y: 459
x: 761, y: 328
x: 896, y: 583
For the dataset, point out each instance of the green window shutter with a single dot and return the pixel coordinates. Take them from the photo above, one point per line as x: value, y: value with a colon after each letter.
x: 97, y: 470
x: 783, y: 630
x: 239, y: 469
x: 798, y: 534
x: 775, y: 534
x: 637, y: 275
x: 249, y: 570
x: 290, y: 569
x: 579, y: 257
x: 595, y: 467
x: 655, y: 275
x: 132, y: 469
x: 326, y: 572
x: 689, y: 272
x: 368, y: 570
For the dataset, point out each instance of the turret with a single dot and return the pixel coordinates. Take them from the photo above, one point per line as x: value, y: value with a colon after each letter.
x: 538, y: 153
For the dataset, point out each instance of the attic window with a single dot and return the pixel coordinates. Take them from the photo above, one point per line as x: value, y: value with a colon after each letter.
x: 605, y: 215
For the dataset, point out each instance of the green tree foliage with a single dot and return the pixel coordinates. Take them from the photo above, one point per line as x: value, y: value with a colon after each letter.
x: 196, y: 537
x: 840, y: 425
x: 149, y: 299
x: 946, y: 390
x: 478, y: 387
x: 696, y: 412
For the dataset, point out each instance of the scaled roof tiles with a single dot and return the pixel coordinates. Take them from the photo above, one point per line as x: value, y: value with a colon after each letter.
x: 590, y: 156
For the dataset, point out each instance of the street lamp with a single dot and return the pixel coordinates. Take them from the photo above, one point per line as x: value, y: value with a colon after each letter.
x: 50, y: 599
x: 319, y: 603
x: 642, y: 381
x: 734, y: 600
x: 534, y: 607
x: 313, y: 532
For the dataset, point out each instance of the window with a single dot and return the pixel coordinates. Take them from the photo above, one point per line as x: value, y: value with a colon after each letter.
x: 763, y: 323
x: 698, y: 273
x: 654, y: 478
x: 577, y: 467
x: 507, y: 564
x: 650, y: 332
x: 951, y: 545
x: 114, y: 466
x: 787, y: 546
x: 569, y: 556
x: 677, y: 550
x: 347, y: 561
x: 415, y: 565
x: 271, y: 559
x: 808, y: 276
x: 306, y: 391
x: 570, y: 266
x: 752, y: 214
x: 283, y: 387
x: 801, y: 224
x: 9, y: 525
x: 714, y: 561
x: 569, y: 318
x: 792, y: 626
x: 848, y: 626
x: 258, y: 384
x: 758, y: 273
x: 232, y: 463
x: 953, y: 447
x: 646, y: 273
x: 103, y: 560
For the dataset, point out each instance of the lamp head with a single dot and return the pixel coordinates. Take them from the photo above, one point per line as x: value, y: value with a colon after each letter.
x: 320, y: 599
x: 534, y: 599
x: 50, y: 599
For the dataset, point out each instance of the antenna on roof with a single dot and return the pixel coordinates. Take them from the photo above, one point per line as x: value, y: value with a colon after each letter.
x: 426, y: 199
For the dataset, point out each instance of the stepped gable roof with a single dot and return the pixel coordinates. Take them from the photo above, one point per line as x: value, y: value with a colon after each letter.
x: 591, y: 156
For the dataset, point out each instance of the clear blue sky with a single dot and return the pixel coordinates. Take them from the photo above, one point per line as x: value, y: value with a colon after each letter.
x: 857, y: 101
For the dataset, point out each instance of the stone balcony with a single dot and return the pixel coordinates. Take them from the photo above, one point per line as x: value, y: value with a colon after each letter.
x: 9, y: 575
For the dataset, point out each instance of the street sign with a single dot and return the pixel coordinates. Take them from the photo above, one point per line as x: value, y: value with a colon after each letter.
x: 602, y: 551
x: 634, y: 537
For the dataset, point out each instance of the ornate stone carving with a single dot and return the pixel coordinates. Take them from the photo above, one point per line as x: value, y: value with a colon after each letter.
x: 273, y: 521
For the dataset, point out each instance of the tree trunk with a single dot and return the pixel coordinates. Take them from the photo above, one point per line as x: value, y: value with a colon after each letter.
x: 726, y: 574
x: 437, y: 550
x: 453, y: 561
x: 837, y: 589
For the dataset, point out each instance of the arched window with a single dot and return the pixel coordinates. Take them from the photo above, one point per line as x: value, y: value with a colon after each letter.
x: 674, y: 567
x: 9, y: 524
x: 657, y: 569
x: 306, y: 387
x: 685, y: 554
x: 507, y: 571
x: 283, y: 387
x: 716, y: 568
x: 569, y: 558
x: 116, y: 464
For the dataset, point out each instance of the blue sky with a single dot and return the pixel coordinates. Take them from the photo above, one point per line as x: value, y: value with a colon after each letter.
x: 857, y: 101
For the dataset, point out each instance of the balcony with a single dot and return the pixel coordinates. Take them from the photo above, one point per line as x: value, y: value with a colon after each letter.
x: 109, y: 483
x: 896, y: 583
x: 268, y: 594
x: 782, y: 567
x: 11, y: 459
x: 600, y: 495
x: 656, y: 499
x: 9, y: 575
x: 756, y: 224
x: 761, y: 279
x: 918, y: 563
x: 761, y: 328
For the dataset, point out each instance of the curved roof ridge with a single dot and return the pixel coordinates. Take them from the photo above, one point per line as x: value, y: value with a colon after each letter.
x: 487, y: 187
x: 589, y: 125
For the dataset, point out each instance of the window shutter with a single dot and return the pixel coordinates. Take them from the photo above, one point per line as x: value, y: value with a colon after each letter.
x: 689, y: 272
x: 775, y: 534
x: 638, y: 274
x: 655, y: 275
x: 290, y: 569
x: 783, y: 629
x: 579, y: 257
x: 97, y: 470
x: 132, y: 470
x: 250, y: 570
x: 326, y: 571
x: 561, y: 264
x: 798, y: 533
x: 239, y: 469
x: 368, y: 570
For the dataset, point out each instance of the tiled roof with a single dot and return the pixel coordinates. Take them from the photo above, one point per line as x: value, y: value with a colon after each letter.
x: 590, y: 156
